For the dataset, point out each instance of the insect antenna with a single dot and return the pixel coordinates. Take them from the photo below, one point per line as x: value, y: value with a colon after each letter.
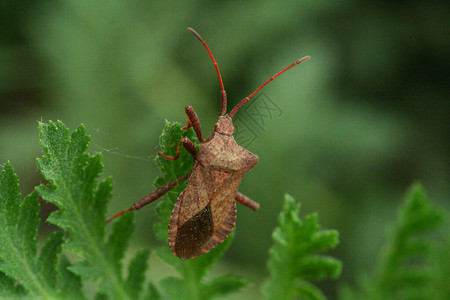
x: 246, y: 99
x: 223, y: 94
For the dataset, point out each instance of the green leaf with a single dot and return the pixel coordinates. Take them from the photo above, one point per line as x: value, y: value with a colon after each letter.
x: 8, y: 287
x: 441, y: 260
x: 191, y: 283
x: 295, y: 257
x: 171, y: 169
x: 18, y: 241
x: 70, y: 282
x: 224, y: 285
x: 73, y: 187
x: 175, y: 288
x: 48, y: 258
x: 136, y: 272
x: 152, y: 292
x: 407, y: 268
x: 22, y: 272
x: 118, y: 240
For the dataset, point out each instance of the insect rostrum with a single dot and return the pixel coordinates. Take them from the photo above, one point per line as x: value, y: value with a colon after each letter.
x: 205, y: 212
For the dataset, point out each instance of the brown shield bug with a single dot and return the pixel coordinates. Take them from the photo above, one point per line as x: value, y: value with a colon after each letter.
x: 205, y: 212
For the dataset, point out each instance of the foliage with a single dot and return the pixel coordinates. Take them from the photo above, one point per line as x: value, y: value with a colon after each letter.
x: 22, y: 271
x: 368, y: 114
x: 295, y: 258
x: 72, y: 175
x: 411, y: 266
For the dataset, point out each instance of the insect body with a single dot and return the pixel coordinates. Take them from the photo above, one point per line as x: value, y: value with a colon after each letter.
x: 205, y: 212
x: 206, y: 209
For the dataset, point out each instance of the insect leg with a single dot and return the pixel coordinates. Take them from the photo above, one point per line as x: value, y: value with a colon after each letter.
x: 242, y: 199
x: 150, y: 197
x: 194, y: 122
x: 187, y: 144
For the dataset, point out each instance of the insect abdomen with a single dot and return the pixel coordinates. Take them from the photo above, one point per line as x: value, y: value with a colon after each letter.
x: 193, y: 234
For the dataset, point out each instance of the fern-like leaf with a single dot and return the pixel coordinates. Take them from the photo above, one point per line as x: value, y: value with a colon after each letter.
x: 296, y: 259
x: 406, y: 269
x: 24, y: 273
x: 73, y: 175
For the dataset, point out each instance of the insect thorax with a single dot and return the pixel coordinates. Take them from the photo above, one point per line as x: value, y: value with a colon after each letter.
x: 222, y: 153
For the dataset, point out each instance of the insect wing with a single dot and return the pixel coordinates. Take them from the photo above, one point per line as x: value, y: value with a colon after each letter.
x: 205, y: 212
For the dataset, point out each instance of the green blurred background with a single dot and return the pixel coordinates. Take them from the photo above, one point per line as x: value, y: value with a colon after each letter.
x: 362, y: 120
